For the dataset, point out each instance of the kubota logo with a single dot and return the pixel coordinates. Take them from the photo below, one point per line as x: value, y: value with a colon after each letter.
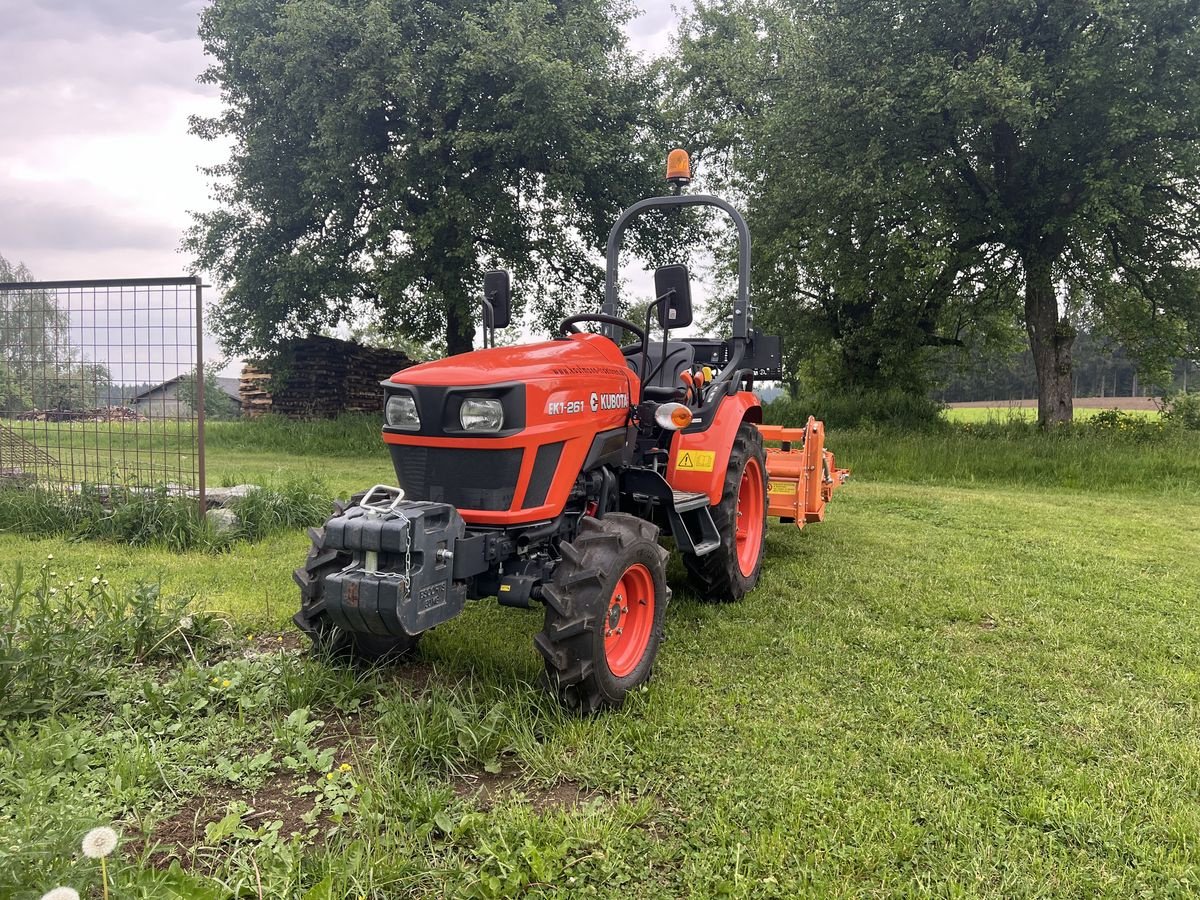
x: 609, y: 401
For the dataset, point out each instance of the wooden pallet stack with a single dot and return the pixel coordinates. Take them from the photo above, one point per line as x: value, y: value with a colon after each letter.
x: 324, y: 377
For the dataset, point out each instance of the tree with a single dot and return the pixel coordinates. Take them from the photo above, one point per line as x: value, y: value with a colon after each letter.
x: 39, y: 367
x: 34, y: 341
x: 386, y: 152
x: 218, y: 405
x: 864, y: 293
x: 1055, y: 143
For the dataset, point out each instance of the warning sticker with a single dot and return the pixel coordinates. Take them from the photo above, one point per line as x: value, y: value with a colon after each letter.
x: 782, y: 487
x: 696, y: 461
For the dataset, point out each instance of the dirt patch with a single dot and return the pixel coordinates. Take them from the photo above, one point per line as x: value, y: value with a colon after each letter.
x: 182, y: 835
x: 278, y: 642
x: 413, y: 675
x: 485, y: 789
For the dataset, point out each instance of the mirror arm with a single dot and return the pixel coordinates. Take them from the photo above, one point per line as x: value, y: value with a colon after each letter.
x: 489, y: 322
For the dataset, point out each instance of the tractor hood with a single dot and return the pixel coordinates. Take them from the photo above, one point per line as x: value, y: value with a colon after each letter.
x: 581, y: 354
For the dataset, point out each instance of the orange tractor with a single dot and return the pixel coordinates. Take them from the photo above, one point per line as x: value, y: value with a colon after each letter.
x: 545, y: 474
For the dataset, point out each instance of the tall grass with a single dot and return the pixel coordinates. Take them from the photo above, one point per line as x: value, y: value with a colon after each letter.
x: 1108, y: 451
x: 1079, y: 458
x: 156, y: 517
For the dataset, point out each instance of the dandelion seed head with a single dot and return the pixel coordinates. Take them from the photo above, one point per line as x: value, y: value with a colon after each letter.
x: 185, y: 622
x: 61, y: 893
x: 99, y: 842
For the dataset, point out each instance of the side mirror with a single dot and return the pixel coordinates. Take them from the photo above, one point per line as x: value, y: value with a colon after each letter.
x: 496, y: 296
x: 674, y: 290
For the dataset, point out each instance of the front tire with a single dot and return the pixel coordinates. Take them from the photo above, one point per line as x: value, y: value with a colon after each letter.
x: 605, y: 607
x: 328, y: 640
x: 731, y: 571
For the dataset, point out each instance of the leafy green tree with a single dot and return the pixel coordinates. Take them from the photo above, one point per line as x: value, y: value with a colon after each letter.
x: 34, y: 341
x: 386, y: 152
x: 218, y: 405
x: 918, y: 158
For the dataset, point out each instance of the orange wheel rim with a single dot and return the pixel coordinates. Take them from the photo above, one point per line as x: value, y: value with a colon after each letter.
x: 629, y: 620
x: 750, y: 516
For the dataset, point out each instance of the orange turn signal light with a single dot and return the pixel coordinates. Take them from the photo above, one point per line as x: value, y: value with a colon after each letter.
x: 673, y: 416
x: 679, y: 167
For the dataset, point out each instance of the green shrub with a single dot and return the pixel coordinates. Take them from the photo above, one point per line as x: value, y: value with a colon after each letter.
x: 858, y: 409
x: 1182, y: 409
x: 1121, y: 424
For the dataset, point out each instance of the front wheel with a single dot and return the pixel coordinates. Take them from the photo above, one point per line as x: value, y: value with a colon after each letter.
x: 604, y: 612
x: 731, y: 571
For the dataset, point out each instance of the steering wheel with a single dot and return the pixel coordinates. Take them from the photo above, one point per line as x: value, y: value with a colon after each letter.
x: 567, y: 326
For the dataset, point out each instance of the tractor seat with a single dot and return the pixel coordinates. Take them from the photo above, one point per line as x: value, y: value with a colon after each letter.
x: 663, y: 384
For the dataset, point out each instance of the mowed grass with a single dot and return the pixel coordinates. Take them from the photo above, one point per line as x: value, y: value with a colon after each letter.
x: 977, y: 678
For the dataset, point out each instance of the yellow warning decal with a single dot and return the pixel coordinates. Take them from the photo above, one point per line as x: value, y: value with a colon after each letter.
x: 505, y: 587
x: 696, y: 460
x: 782, y: 487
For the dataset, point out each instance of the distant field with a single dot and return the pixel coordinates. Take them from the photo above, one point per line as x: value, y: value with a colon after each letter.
x: 1026, y: 410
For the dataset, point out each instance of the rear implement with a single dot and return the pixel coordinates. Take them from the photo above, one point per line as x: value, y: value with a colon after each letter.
x: 803, y: 474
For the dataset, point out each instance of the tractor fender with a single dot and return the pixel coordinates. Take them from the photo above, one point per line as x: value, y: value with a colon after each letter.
x: 700, y: 452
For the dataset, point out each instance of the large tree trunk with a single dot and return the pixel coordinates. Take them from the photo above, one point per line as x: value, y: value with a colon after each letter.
x: 1050, y: 341
x: 460, y: 330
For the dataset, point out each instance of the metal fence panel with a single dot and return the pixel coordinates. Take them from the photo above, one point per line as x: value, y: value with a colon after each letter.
x: 99, y: 386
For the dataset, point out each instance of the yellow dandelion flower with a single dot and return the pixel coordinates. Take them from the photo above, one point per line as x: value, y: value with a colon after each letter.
x: 344, y: 767
x: 226, y: 683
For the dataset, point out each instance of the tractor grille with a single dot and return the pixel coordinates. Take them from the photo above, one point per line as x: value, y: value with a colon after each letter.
x: 467, y: 479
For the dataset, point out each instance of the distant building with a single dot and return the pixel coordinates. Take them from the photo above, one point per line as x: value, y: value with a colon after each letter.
x: 164, y: 402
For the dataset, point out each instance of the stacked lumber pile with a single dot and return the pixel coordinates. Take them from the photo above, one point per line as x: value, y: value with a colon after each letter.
x: 324, y: 377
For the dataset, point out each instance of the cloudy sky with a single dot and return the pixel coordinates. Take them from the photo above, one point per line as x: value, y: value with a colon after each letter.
x: 97, y: 170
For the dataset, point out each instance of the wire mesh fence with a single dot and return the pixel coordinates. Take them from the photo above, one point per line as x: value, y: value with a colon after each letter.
x: 99, y: 386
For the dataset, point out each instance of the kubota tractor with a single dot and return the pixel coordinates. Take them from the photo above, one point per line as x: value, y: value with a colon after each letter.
x: 546, y: 473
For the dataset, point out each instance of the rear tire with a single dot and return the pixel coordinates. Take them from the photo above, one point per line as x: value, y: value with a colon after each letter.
x: 328, y: 640
x: 605, y: 607
x: 731, y: 571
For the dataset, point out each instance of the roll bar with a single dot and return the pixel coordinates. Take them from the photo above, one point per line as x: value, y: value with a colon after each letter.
x: 741, y: 306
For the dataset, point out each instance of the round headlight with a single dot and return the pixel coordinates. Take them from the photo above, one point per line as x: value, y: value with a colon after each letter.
x: 401, y: 412
x: 481, y: 415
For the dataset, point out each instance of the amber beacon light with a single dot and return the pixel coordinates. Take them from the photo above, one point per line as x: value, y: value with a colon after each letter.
x: 679, y: 168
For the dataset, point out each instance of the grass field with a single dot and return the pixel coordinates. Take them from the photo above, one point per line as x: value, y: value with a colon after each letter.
x: 1002, y: 414
x: 977, y: 678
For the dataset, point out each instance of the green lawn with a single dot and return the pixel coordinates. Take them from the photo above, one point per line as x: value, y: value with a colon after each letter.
x: 967, y: 682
